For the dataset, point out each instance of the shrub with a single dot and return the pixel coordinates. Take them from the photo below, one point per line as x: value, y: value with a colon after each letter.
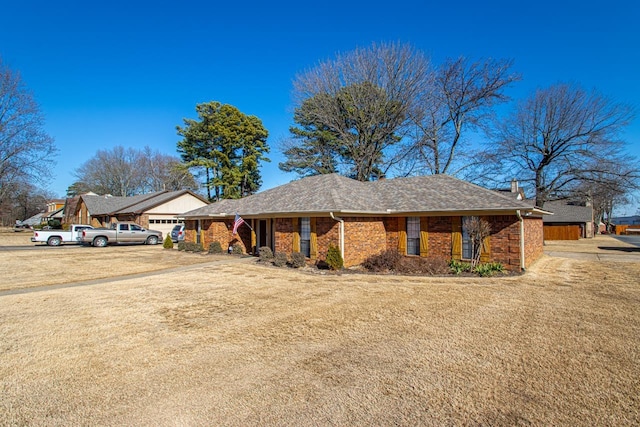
x: 280, y: 259
x: 489, y: 269
x: 54, y: 224
x: 418, y: 265
x: 193, y: 247
x: 265, y: 253
x: 215, y: 248
x: 237, y: 249
x: 168, y: 243
x: 384, y: 261
x: 458, y: 267
x: 298, y: 260
x: 181, y: 246
x: 334, y: 258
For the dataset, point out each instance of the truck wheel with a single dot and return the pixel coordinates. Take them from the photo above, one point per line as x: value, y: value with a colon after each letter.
x: 54, y: 241
x: 152, y: 240
x: 100, y: 242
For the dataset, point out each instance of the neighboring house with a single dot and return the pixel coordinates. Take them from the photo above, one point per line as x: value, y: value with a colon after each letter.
x: 156, y: 211
x: 626, y: 220
x: 568, y: 222
x: 421, y: 216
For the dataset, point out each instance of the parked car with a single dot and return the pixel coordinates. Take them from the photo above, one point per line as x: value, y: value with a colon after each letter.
x: 177, y: 234
x: 58, y: 237
x: 121, y: 232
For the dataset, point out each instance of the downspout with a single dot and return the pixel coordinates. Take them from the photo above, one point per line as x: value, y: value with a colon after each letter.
x: 335, y: 218
x: 522, y: 264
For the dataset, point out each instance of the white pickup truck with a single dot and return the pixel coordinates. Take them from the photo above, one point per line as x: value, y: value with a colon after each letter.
x: 58, y: 237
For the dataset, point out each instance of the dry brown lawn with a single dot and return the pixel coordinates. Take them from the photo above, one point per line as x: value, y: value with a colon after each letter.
x: 243, y: 344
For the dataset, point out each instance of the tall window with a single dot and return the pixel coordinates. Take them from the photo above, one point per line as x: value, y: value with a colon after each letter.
x: 413, y: 235
x: 305, y: 236
x: 467, y: 244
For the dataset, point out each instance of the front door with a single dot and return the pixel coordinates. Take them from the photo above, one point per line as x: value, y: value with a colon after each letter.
x: 262, y: 233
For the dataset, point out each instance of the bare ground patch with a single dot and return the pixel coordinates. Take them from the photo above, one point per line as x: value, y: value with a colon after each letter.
x: 248, y: 345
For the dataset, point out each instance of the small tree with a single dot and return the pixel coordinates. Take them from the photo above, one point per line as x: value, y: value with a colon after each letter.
x: 478, y: 229
x: 334, y: 258
x: 168, y: 243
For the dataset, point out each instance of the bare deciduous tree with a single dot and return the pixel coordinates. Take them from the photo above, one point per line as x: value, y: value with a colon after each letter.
x: 563, y: 136
x: 127, y: 172
x: 478, y: 229
x: 26, y: 150
x: 460, y: 99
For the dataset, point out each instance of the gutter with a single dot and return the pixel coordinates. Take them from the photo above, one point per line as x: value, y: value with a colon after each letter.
x: 522, y: 264
x: 335, y: 218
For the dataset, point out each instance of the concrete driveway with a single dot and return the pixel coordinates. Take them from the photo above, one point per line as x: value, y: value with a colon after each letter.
x: 600, y: 248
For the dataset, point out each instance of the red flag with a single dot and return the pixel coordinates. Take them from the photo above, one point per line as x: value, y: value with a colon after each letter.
x: 237, y: 223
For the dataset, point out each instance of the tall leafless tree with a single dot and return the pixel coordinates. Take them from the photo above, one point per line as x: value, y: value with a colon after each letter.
x: 563, y: 136
x: 27, y: 152
x: 128, y: 171
x: 460, y: 100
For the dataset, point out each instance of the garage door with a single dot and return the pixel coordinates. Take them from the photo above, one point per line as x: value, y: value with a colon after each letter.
x: 163, y: 224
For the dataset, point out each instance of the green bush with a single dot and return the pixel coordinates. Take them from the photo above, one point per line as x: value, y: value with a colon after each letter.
x: 168, y: 243
x: 237, y: 249
x: 54, y: 224
x: 193, y: 247
x: 334, y: 258
x: 298, y: 260
x: 215, y: 248
x: 384, y: 261
x: 265, y: 253
x: 181, y: 246
x: 280, y: 259
x: 458, y: 267
x: 489, y: 269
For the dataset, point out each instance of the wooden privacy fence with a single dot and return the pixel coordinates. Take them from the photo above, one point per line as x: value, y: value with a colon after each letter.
x: 562, y: 232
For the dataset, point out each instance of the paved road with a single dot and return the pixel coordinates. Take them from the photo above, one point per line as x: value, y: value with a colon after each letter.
x: 632, y: 240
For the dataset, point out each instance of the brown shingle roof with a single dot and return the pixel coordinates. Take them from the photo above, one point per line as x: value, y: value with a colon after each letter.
x: 338, y: 194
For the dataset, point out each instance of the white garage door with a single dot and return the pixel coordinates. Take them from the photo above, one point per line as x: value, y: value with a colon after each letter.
x: 164, y: 224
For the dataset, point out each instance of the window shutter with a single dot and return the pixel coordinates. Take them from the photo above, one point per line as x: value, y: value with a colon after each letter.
x: 485, y: 250
x: 296, y: 235
x: 254, y: 240
x: 456, y: 237
x: 424, y: 236
x: 402, y: 236
x: 314, y: 239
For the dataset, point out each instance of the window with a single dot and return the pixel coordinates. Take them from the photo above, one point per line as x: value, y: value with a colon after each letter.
x: 467, y: 243
x: 305, y: 236
x: 124, y: 227
x: 413, y: 235
x: 135, y: 227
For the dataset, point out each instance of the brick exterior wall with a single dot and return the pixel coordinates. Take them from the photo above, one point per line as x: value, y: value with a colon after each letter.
x: 284, y: 235
x: 367, y: 236
x: 218, y: 231
x: 440, y: 243
x: 534, y: 240
x: 363, y: 237
x: 328, y: 232
x: 505, y: 240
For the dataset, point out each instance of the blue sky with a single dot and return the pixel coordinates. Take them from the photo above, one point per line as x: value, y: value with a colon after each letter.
x: 127, y: 72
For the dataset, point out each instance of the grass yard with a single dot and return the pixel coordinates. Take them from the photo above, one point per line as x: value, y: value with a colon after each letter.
x: 242, y: 344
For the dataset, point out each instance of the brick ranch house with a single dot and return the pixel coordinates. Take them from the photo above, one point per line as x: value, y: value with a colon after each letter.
x: 157, y: 211
x: 420, y: 216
